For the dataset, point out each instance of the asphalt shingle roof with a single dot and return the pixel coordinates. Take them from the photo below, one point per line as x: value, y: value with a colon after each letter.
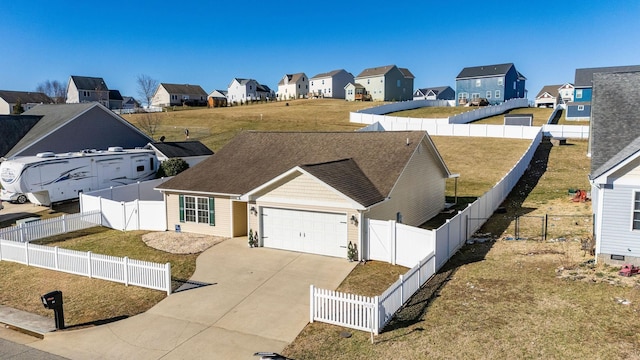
x: 553, y: 90
x: 614, y: 118
x: 12, y: 97
x: 375, y: 161
x: 184, y: 89
x: 584, y: 77
x: 181, y: 149
x: 89, y: 83
x: 13, y: 128
x: 485, y: 70
x: 327, y: 74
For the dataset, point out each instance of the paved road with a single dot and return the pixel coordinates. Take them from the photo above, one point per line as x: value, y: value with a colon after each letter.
x: 14, y: 346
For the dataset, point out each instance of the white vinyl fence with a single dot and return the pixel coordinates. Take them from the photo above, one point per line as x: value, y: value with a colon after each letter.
x: 41, y: 229
x: 123, y: 270
x: 129, y: 207
x: 389, y: 241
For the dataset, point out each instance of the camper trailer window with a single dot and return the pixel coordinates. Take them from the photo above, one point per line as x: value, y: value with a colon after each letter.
x: 140, y: 168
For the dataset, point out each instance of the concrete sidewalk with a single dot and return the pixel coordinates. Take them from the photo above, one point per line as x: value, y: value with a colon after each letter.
x: 249, y: 300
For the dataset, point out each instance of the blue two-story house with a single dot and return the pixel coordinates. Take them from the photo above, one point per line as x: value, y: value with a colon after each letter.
x: 580, y: 108
x: 496, y: 83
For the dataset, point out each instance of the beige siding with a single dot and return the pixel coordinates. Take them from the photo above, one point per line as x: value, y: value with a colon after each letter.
x: 73, y: 97
x: 306, y: 188
x: 161, y: 97
x: 223, y: 211
x: 5, y: 107
x: 419, y: 192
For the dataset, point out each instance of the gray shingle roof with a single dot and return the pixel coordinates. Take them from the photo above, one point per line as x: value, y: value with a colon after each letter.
x: 614, y: 117
x: 182, y: 149
x: 484, y: 70
x: 253, y: 158
x: 375, y: 71
x: 292, y: 78
x: 328, y: 74
x: 184, y: 89
x: 12, y: 97
x: 584, y: 77
x: 89, y: 83
x: 435, y: 89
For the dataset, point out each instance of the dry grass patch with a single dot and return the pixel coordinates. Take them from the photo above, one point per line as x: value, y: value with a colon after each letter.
x: 435, y: 112
x: 91, y: 301
x: 215, y: 127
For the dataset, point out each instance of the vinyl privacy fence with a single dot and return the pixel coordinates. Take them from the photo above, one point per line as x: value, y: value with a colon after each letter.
x: 119, y: 269
x: 391, y: 242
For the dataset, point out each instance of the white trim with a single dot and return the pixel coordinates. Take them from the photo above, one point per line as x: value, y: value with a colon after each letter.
x: 604, y: 177
x: 633, y: 210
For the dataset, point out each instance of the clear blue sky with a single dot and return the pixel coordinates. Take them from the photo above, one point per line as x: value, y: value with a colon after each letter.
x: 210, y: 42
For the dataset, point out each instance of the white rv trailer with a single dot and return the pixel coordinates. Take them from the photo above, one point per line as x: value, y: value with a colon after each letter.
x: 48, y: 178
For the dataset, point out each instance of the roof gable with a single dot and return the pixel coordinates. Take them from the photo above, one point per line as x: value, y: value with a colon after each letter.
x: 552, y: 90
x: 253, y: 158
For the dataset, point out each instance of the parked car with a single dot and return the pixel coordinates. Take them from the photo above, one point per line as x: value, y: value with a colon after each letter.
x: 13, y: 197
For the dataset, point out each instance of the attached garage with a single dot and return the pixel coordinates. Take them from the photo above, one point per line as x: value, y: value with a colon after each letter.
x: 305, y: 231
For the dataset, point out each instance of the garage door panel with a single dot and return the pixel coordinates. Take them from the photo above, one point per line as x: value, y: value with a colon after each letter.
x: 305, y: 231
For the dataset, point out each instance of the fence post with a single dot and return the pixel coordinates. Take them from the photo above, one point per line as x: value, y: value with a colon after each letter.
x: 168, y: 277
x: 376, y: 315
x: 90, y: 275
x: 125, y: 263
x: 64, y: 224
x: 21, y: 232
x: 55, y: 261
x: 311, y: 303
x: 124, y: 216
x: 392, y: 242
x: 26, y: 253
x: 401, y: 287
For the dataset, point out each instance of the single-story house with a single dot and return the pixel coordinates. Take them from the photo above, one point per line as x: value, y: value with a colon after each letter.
x: 179, y: 94
x: 192, y: 151
x: 73, y: 127
x: 615, y: 167
x: 309, y: 191
x: 549, y: 96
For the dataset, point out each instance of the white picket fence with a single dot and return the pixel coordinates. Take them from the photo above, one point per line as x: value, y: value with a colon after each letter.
x: 123, y: 270
x: 41, y: 229
x: 389, y: 242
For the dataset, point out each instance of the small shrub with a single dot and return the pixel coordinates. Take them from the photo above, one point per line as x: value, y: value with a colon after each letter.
x: 172, y: 167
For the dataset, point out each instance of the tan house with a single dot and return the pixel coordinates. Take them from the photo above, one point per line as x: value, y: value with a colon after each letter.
x: 179, y: 94
x: 549, y: 96
x: 387, y: 83
x: 309, y: 191
x: 293, y: 86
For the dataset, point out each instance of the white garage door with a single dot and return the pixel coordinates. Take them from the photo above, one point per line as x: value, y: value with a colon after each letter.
x: 305, y: 231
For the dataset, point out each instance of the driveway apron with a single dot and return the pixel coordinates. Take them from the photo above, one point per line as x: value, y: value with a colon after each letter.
x: 247, y: 300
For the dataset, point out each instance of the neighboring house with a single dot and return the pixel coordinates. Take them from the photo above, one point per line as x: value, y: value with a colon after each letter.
x: 8, y: 99
x: 496, y: 83
x: 309, y: 192
x: 74, y: 127
x: 293, y: 86
x: 83, y: 89
x: 356, y: 92
x: 566, y: 93
x: 192, y: 152
x: 217, y: 98
x: 387, y: 83
x: 179, y: 94
x: 549, y: 96
x: 435, y: 93
x: 115, y: 100
x: 615, y: 167
x: 330, y: 84
x: 129, y: 103
x: 580, y: 108
x: 241, y: 91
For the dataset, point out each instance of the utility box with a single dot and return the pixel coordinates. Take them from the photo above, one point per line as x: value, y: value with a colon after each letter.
x: 53, y: 300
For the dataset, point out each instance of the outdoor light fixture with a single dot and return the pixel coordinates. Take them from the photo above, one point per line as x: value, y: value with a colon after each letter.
x: 353, y: 220
x: 254, y: 211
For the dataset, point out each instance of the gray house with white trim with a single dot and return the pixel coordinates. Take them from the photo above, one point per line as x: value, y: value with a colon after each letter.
x: 615, y: 167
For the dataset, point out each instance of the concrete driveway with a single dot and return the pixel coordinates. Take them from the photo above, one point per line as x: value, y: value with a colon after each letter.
x: 256, y: 300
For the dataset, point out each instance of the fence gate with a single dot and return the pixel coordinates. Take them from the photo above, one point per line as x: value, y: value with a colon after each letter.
x: 529, y: 227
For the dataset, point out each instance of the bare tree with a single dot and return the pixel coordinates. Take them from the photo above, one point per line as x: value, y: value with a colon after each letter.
x: 55, y: 89
x: 146, y: 87
x: 149, y: 122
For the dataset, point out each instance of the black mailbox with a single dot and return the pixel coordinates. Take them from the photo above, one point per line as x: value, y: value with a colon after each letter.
x: 53, y: 301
